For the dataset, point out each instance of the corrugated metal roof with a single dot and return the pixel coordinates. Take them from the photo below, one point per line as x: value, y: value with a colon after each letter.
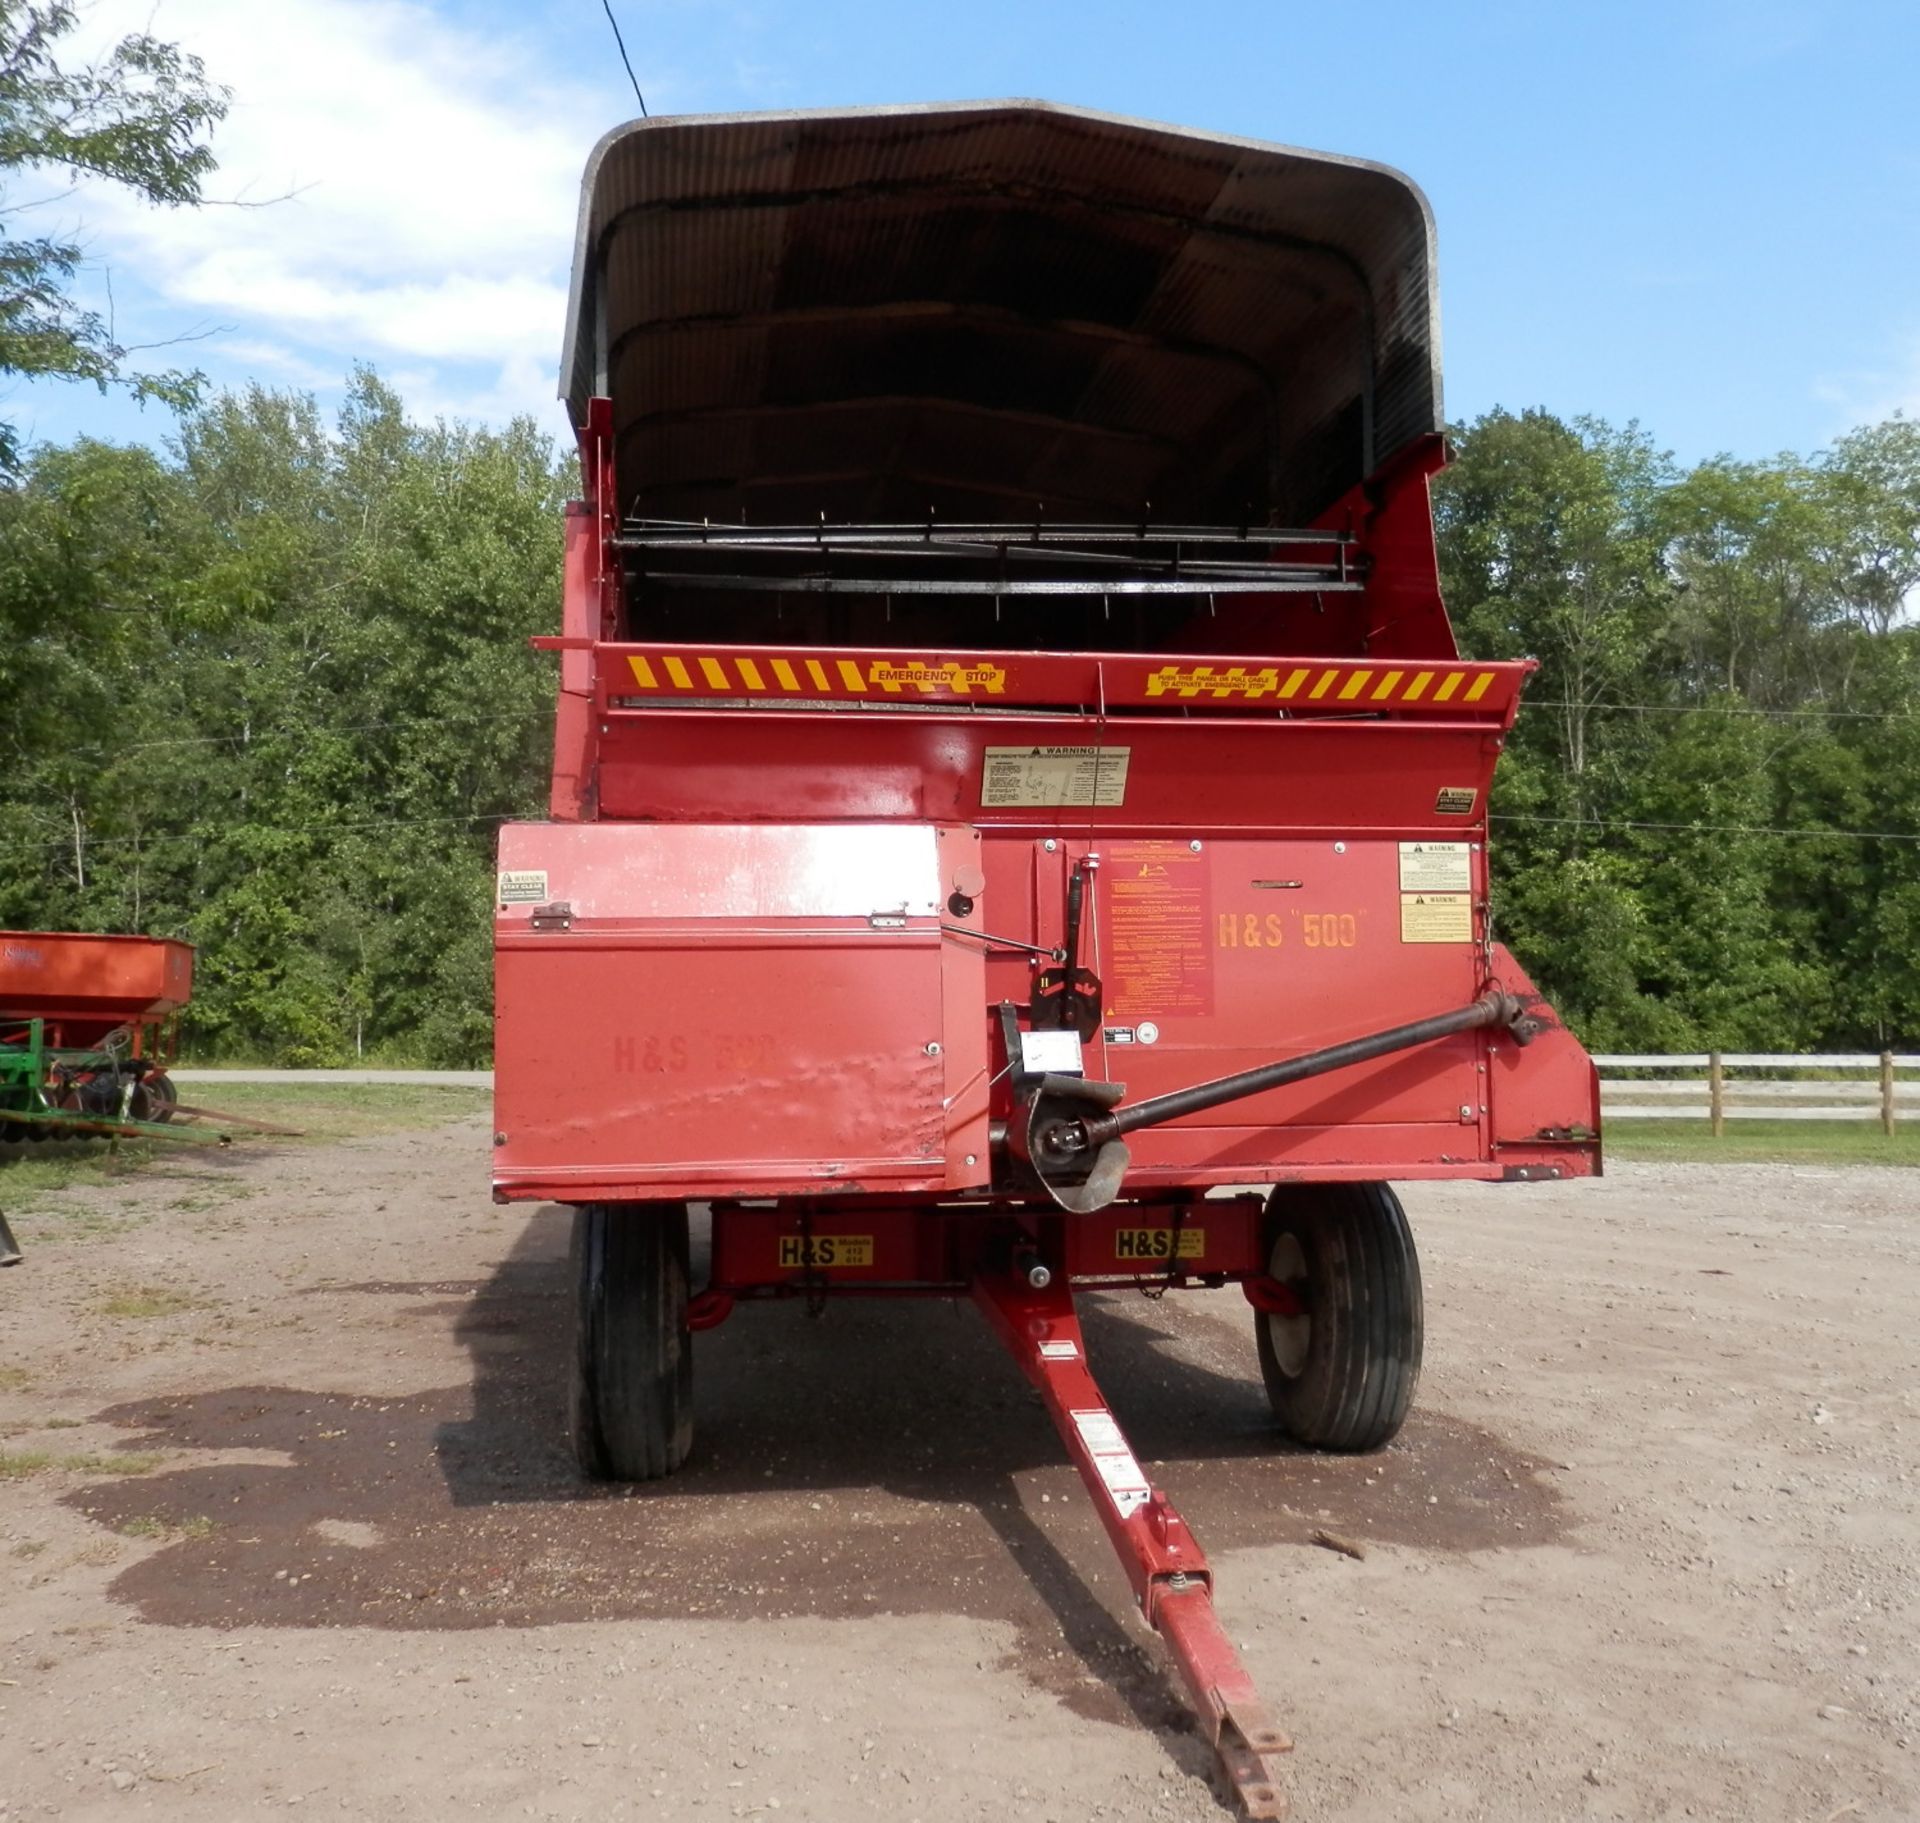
x: 988, y: 307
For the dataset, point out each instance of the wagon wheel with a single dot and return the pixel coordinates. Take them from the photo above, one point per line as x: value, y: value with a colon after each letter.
x: 162, y: 1096
x: 1339, y: 1322
x: 632, y: 1403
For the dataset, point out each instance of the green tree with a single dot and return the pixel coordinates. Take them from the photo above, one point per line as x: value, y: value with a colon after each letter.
x: 1551, y: 548
x: 273, y: 693
x: 139, y: 118
x: 1870, y: 495
x: 1703, y: 815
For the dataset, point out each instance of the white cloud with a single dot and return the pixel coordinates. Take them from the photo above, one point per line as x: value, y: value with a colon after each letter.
x: 432, y: 176
x: 1869, y: 395
x: 519, y: 384
x: 276, y: 361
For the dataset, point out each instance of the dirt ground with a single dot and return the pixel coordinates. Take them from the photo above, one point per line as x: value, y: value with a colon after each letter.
x: 1647, y: 1548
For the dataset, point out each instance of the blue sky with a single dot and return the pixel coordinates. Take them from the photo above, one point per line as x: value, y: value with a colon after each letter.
x: 1703, y: 214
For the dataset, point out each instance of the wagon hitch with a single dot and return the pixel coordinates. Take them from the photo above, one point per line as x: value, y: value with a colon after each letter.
x: 1165, y: 1568
x: 1070, y: 1133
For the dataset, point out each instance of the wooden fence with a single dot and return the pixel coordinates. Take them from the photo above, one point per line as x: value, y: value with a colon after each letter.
x: 1719, y: 1086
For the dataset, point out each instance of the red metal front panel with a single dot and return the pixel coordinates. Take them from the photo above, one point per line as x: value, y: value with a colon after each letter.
x: 1220, y: 954
x: 749, y: 1006
x: 682, y: 1010
x: 1181, y: 775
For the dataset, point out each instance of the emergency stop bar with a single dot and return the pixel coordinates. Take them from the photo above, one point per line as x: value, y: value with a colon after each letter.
x: 1165, y: 1567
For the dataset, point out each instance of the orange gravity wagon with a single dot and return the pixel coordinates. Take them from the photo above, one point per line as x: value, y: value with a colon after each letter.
x: 1016, y: 792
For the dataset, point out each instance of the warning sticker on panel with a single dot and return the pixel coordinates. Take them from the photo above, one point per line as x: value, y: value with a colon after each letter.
x: 1044, y: 778
x: 1456, y: 801
x: 1436, y: 918
x: 1159, y: 901
x: 1119, y: 1473
x: 523, y: 886
x: 1436, y: 867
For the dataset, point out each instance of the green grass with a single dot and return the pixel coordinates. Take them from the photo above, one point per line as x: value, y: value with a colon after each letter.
x: 30, y: 1171
x: 1750, y: 1142
x: 147, y: 1526
x: 17, y: 1465
x: 319, y: 1112
x: 336, y: 1110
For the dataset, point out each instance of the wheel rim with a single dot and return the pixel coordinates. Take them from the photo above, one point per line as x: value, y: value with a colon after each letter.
x: 1290, y: 1338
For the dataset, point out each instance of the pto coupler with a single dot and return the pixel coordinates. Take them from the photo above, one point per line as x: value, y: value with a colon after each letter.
x: 1166, y: 1569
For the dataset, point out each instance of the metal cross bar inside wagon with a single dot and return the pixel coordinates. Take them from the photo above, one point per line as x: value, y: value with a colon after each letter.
x: 1019, y: 810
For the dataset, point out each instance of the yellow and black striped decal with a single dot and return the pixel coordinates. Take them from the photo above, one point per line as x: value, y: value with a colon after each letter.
x: 1333, y: 686
x: 1310, y: 687
x: 735, y: 674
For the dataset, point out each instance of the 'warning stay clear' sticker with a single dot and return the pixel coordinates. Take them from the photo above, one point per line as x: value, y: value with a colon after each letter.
x: 523, y: 886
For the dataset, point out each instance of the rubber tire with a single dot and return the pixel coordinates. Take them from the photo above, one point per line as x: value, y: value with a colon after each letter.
x: 1361, y: 1286
x: 632, y: 1392
x: 162, y: 1096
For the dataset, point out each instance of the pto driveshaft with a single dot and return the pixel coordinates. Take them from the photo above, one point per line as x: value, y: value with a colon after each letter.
x: 1063, y: 1139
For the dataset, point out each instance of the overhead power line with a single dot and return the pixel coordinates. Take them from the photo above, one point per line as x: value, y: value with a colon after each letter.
x: 607, y: 6
x: 1709, y: 829
x: 1821, y: 715
x: 246, y: 735
x: 209, y: 832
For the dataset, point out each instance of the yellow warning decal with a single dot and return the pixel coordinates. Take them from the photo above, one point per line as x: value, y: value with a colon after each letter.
x: 1436, y: 917
x: 1157, y: 1244
x: 736, y: 675
x: 1338, y: 683
x: 825, y: 1251
x: 990, y: 680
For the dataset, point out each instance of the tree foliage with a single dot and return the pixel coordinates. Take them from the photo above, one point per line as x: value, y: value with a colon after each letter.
x: 1708, y: 820
x: 274, y: 694
x: 139, y: 118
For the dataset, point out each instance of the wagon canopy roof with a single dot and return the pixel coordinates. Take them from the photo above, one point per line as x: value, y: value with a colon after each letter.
x: 989, y: 309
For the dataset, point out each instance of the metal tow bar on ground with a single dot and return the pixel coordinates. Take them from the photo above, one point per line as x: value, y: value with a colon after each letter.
x: 1166, y: 1569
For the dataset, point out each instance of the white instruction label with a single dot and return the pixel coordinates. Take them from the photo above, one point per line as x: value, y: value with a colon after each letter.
x: 1051, y: 1054
x: 523, y: 886
x: 1058, y: 1351
x: 1436, y: 867
x: 1043, y: 778
x: 1113, y: 1462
